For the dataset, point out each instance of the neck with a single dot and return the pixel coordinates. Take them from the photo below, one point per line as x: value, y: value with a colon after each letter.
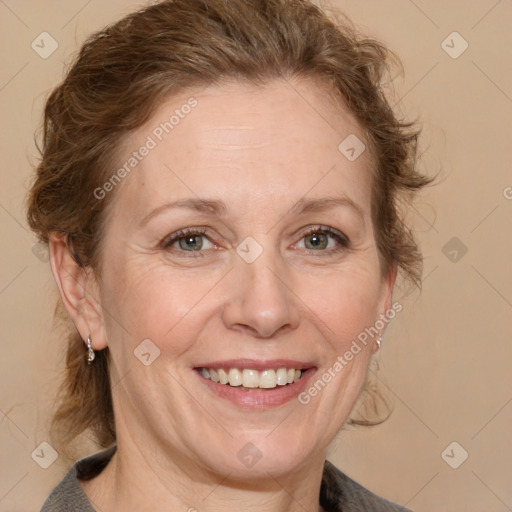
x: 136, y: 479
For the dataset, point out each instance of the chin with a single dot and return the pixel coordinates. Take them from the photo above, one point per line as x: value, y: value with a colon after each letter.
x: 262, y: 456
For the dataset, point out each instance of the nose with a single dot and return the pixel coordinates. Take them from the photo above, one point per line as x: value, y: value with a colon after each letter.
x: 260, y: 301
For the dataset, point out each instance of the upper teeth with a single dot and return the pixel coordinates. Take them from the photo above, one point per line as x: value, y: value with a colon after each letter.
x: 252, y: 378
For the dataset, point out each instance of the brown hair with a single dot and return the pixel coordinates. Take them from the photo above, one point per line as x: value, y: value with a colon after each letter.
x: 125, y: 71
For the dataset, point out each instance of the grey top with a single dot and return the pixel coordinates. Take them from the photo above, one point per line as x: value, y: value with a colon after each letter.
x: 338, y: 493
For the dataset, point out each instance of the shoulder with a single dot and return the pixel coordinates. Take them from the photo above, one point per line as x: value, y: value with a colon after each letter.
x: 341, y: 493
x: 68, y: 494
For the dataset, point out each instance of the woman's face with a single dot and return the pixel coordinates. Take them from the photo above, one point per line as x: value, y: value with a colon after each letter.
x: 241, y: 242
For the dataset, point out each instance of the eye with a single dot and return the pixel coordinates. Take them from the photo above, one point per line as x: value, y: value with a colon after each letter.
x: 323, y: 239
x: 188, y: 240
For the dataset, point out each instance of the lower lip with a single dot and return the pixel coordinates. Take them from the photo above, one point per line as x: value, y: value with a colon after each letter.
x: 259, y: 398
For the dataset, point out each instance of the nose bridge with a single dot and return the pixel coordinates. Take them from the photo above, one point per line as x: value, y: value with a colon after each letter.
x: 260, y: 299
x: 266, y: 278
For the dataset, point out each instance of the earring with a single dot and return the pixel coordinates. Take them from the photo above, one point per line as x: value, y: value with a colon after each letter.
x: 90, y: 351
x: 378, y: 341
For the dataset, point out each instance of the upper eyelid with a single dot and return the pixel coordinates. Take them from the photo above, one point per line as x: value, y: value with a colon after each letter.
x: 324, y: 229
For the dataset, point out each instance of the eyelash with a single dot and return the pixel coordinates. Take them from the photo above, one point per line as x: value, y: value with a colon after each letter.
x: 343, y: 241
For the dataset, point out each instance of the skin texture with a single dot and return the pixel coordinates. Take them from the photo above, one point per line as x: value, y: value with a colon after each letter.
x: 259, y: 151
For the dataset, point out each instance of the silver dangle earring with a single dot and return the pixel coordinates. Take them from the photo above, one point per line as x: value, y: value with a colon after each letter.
x: 90, y: 351
x: 378, y: 341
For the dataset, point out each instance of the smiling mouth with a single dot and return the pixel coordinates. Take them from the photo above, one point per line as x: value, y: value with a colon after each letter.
x: 252, y: 380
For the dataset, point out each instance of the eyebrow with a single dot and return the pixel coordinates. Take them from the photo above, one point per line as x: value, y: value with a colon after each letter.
x: 323, y: 204
x: 217, y: 207
x: 211, y: 206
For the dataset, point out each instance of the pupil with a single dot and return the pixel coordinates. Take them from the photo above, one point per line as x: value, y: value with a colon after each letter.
x: 317, y: 240
x: 191, y: 242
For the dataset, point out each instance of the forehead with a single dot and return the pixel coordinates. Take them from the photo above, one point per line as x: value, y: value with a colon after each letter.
x: 244, y: 142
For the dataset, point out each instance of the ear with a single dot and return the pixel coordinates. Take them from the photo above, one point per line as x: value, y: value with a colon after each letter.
x: 386, y: 295
x: 79, y: 291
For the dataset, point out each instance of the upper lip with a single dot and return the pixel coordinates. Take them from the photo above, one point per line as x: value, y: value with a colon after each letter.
x: 257, y: 364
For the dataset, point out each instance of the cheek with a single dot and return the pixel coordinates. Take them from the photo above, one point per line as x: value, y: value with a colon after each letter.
x: 150, y: 300
x: 346, y: 303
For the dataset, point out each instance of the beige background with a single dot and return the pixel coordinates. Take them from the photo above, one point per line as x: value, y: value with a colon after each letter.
x: 446, y: 357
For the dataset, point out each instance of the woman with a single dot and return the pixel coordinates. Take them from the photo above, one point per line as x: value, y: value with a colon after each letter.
x: 219, y: 188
